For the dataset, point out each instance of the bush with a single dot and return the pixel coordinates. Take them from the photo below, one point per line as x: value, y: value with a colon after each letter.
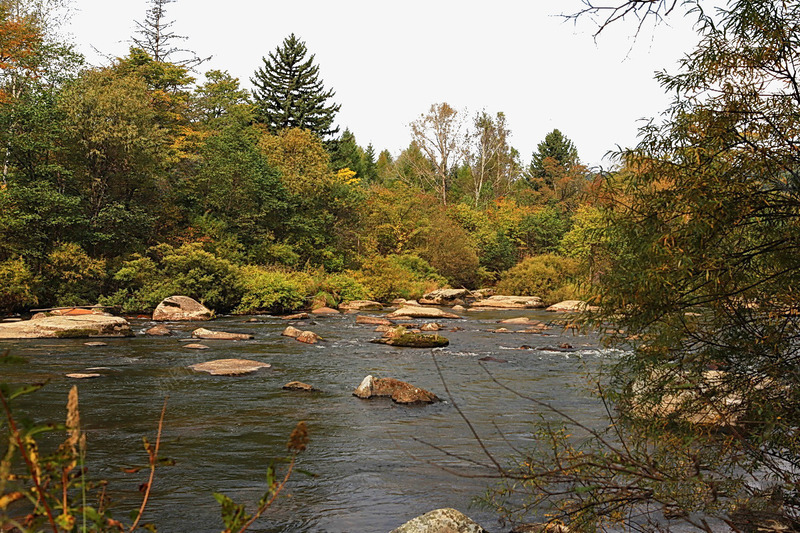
x: 333, y: 289
x: 273, y: 291
x: 550, y: 277
x: 16, y: 286
x: 398, y: 276
x: 165, y: 271
x: 71, y: 277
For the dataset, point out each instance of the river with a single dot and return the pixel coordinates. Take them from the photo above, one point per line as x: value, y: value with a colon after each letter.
x: 376, y: 464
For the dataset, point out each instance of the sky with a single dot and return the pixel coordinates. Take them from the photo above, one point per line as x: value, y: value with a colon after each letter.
x: 388, y: 62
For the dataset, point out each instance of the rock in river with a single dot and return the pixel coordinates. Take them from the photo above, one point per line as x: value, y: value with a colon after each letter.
x: 229, y: 367
x: 398, y: 391
x: 203, y: 333
x: 361, y: 305
x: 181, y: 308
x: 299, y: 385
x: 60, y: 327
x: 441, y: 521
x: 572, y: 306
x: 414, y: 311
x: 401, y: 337
x: 510, y: 302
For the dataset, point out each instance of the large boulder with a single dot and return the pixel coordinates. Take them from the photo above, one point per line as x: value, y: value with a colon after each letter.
x: 361, y: 305
x: 572, y: 306
x: 229, y: 367
x: 444, y: 296
x: 405, y: 339
x: 415, y: 311
x: 203, y: 333
x: 509, y: 302
x: 70, y: 326
x: 398, y: 391
x: 441, y: 521
x: 181, y: 308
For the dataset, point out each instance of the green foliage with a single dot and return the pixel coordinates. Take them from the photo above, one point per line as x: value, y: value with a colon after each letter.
x: 17, y: 286
x: 289, y: 93
x: 338, y: 288
x: 550, y: 277
x: 542, y: 230
x: 71, y: 277
x: 557, y: 147
x: 273, y: 291
x: 164, y: 271
x: 398, y: 276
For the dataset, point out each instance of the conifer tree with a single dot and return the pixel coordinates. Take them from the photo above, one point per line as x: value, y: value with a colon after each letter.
x: 289, y: 92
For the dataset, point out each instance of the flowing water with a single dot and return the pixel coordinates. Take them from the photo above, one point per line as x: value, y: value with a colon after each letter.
x: 376, y: 464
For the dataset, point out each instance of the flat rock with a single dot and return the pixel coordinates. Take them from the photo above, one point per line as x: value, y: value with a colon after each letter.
x: 441, y: 521
x: 158, y: 331
x: 324, y: 311
x: 203, y: 333
x: 181, y: 308
x: 361, y: 305
x: 299, y: 385
x: 82, y: 375
x: 444, y: 297
x: 520, y: 321
x: 196, y: 346
x: 296, y: 316
x: 413, y: 311
x: 398, y: 391
x: 95, y: 344
x: 430, y: 326
x: 572, y: 306
x: 229, y: 367
x: 510, y: 302
x: 72, y: 326
x: 374, y: 320
x: 402, y: 337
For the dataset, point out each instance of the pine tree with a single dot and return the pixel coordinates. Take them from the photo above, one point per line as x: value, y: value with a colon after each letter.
x: 290, y: 94
x: 557, y: 146
x: 157, y: 38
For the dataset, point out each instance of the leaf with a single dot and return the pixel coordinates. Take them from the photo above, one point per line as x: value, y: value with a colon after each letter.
x: 233, y: 514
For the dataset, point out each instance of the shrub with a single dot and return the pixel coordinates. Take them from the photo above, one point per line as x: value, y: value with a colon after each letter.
x: 188, y: 270
x: 550, y: 277
x: 71, y: 277
x: 17, y: 285
x: 398, y: 276
x: 333, y: 289
x: 273, y: 291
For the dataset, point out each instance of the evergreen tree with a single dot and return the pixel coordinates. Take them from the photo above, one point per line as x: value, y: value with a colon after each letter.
x: 157, y: 38
x: 347, y: 154
x: 556, y: 146
x: 290, y: 94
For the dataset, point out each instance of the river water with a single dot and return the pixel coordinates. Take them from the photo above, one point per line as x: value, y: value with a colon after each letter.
x: 376, y: 464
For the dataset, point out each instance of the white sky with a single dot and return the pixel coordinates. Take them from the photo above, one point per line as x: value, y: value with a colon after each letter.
x: 389, y: 61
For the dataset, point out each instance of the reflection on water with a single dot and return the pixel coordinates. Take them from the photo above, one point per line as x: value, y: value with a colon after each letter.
x: 376, y: 463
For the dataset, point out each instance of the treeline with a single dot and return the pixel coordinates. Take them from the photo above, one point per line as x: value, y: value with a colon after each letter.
x: 128, y: 182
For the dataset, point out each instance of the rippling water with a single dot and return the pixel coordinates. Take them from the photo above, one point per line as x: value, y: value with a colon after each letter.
x: 375, y: 462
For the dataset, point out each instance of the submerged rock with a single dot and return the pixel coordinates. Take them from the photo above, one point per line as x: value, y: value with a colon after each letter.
x: 441, y: 521
x: 196, y: 346
x: 181, y: 308
x: 67, y: 327
x: 83, y: 375
x: 398, y: 391
x: 203, y: 333
x: 95, y: 344
x: 374, y: 320
x: 299, y: 385
x: 229, y: 367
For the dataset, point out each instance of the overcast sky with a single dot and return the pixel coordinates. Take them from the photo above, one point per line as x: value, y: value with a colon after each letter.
x: 389, y: 61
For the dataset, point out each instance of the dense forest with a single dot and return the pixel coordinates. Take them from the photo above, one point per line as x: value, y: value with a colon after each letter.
x: 131, y: 181
x: 126, y: 183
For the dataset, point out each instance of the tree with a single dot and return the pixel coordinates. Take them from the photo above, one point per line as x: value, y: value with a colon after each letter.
x: 555, y: 146
x: 290, y: 94
x: 439, y: 136
x: 492, y: 161
x: 156, y: 37
x: 702, y: 274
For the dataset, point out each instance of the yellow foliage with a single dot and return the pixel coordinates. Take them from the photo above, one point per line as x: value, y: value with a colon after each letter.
x: 301, y: 159
x: 347, y: 176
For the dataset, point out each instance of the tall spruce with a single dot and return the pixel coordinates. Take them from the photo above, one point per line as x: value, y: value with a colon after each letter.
x: 290, y: 94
